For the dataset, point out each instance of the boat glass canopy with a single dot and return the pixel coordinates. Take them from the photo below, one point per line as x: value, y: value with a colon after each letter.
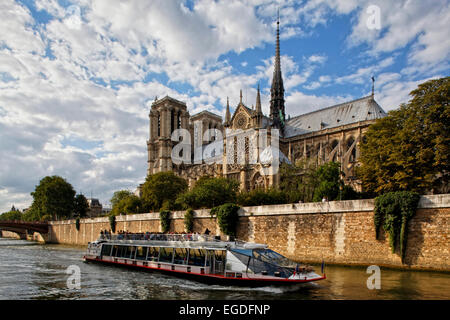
x: 265, y: 261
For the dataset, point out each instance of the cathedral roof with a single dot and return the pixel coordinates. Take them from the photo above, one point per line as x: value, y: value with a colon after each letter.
x: 167, y: 98
x: 362, y: 109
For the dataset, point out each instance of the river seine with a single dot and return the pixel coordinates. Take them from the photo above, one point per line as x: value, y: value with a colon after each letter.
x: 34, y: 271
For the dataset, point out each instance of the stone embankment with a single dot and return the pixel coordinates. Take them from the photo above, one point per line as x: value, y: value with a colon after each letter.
x: 338, y: 232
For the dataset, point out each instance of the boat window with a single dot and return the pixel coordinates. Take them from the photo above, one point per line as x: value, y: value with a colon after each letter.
x: 271, y: 256
x: 166, y: 254
x: 114, y: 251
x: 180, y: 255
x: 141, y: 253
x: 153, y: 254
x: 120, y: 251
x: 131, y: 250
x: 197, y: 257
x: 266, y: 261
x: 125, y: 252
x: 220, y: 255
x: 106, y: 250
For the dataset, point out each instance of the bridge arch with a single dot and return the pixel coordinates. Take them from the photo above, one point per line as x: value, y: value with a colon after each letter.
x: 37, y: 231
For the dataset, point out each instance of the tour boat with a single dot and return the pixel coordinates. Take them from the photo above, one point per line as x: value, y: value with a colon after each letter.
x: 201, y: 257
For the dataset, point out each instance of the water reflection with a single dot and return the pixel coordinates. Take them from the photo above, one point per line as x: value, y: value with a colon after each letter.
x: 30, y: 271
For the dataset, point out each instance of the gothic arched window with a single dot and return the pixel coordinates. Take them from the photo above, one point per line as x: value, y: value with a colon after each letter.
x: 159, y: 125
x: 172, y: 119
x: 350, y: 143
x: 179, y: 120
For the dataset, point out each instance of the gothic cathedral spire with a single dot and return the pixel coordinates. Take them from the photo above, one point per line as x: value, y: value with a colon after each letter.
x: 227, y: 114
x: 277, y: 112
x: 258, y: 102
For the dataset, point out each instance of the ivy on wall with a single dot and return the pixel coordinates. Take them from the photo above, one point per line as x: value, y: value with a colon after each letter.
x: 189, y: 220
x: 77, y: 223
x: 393, y: 210
x: 164, y: 217
x: 112, y: 223
x: 227, y: 217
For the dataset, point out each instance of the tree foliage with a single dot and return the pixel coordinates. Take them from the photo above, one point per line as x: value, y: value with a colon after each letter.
x: 160, y: 188
x: 409, y: 148
x: 259, y: 197
x: 128, y: 205
x: 11, y: 215
x: 53, y: 197
x: 210, y: 192
x: 81, y: 206
x: 120, y: 195
x: 329, y: 182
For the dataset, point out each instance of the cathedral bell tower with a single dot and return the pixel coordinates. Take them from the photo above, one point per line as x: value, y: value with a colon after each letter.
x: 277, y: 112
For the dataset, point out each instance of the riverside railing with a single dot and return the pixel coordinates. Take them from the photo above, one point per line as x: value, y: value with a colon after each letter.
x: 159, y: 237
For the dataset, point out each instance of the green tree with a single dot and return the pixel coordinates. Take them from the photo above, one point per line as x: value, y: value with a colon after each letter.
x: 129, y: 205
x: 328, y: 175
x: 13, y: 214
x: 210, y: 192
x: 160, y: 188
x: 299, y: 181
x: 119, y: 195
x: 81, y: 205
x: 409, y: 148
x: 53, y: 197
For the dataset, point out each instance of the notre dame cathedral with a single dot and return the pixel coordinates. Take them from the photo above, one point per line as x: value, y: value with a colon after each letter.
x: 328, y: 134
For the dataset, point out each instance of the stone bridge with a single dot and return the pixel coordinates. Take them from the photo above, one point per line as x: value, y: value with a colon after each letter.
x: 26, y: 230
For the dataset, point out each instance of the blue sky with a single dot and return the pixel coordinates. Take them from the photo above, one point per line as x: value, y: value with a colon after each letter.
x: 77, y: 78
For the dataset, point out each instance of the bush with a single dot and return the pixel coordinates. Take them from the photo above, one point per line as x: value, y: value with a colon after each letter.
x: 164, y: 217
x: 210, y: 192
x: 189, y: 220
x: 393, y: 210
x: 259, y: 197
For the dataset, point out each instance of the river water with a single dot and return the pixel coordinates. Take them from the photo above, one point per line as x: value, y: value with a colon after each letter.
x: 34, y: 271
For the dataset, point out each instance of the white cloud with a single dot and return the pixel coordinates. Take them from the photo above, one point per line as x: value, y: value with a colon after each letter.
x: 81, y: 111
x: 424, y: 24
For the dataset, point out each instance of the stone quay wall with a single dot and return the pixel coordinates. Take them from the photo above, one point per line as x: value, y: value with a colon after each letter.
x: 338, y: 232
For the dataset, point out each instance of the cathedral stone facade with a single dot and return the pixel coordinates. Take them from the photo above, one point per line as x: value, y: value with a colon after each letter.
x: 247, y: 152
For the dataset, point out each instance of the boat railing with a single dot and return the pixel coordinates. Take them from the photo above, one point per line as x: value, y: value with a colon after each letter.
x: 159, y: 237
